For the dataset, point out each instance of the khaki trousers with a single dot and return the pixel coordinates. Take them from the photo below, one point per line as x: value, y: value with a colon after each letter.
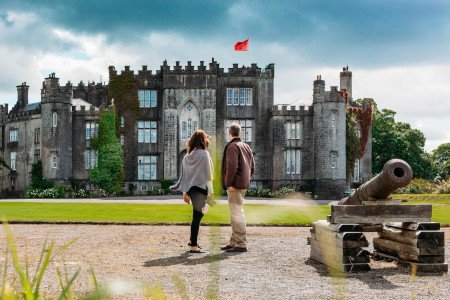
x: 238, y: 225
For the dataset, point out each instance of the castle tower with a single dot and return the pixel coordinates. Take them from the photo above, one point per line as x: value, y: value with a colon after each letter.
x: 22, y: 94
x: 329, y: 141
x: 346, y: 82
x: 56, y: 110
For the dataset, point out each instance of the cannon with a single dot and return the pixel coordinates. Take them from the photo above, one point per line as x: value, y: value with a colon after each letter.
x: 396, y: 173
x: 405, y: 232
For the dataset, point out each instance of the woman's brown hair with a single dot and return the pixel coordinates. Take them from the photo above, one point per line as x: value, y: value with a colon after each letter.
x: 198, y: 139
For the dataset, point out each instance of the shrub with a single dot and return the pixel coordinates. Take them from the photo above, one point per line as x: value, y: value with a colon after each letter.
x: 442, y: 187
x: 155, y: 191
x: 37, y: 181
x: 268, y: 193
x: 165, y: 184
x: 417, y: 186
x: 79, y: 194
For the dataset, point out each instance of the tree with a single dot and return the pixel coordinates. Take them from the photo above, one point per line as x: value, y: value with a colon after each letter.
x: 441, y: 158
x: 37, y: 181
x: 109, y: 173
x: 391, y: 139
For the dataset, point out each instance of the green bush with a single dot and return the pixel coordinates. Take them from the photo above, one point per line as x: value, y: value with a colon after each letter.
x: 268, y: 193
x: 417, y: 186
x: 156, y: 191
x: 37, y: 181
x: 165, y: 184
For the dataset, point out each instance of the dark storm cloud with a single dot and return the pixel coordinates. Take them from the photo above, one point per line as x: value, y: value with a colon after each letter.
x: 364, y: 33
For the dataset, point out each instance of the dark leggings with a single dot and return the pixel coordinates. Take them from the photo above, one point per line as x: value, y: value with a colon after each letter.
x: 198, y: 199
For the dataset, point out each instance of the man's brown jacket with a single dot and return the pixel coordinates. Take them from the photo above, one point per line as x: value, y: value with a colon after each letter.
x: 238, y: 165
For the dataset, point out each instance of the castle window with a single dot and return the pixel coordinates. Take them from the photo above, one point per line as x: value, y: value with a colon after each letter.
x: 55, y: 119
x: 333, y: 159
x: 54, y: 162
x: 357, y: 171
x: 294, y: 131
x: 13, y: 182
x: 147, y: 98
x: 147, y: 131
x: 246, y: 129
x: 90, y: 158
x: 122, y: 121
x: 239, y: 96
x: 91, y: 130
x: 122, y: 139
x: 13, y: 160
x: 13, y: 135
x: 146, y: 167
x: 183, y: 130
x: 37, y: 135
x: 292, y: 158
x: 229, y: 96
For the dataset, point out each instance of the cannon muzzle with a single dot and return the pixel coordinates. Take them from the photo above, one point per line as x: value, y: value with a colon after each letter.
x: 396, y: 173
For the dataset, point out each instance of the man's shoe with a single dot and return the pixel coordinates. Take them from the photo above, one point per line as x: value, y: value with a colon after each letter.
x: 237, y: 249
x: 227, y: 247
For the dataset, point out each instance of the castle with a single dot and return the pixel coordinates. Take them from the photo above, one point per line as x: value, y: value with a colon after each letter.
x: 296, y: 146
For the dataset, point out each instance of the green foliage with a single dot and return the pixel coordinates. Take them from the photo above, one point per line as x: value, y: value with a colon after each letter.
x: 441, y: 158
x: 109, y: 173
x: 165, y: 184
x: 123, y: 89
x: 353, y: 143
x: 37, y: 181
x: 30, y: 287
x: 417, y: 186
x: 153, y: 191
x: 391, y: 139
x: 268, y: 193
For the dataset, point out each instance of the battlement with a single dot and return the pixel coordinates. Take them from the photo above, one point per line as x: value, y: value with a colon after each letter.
x: 212, y: 69
x: 81, y: 110
x: 51, y: 86
x: 291, y: 110
x: 21, y: 116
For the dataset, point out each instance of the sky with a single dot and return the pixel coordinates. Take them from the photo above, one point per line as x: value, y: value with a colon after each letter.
x: 398, y: 50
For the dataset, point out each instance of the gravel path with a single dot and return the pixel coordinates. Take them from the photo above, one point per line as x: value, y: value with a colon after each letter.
x: 277, y: 266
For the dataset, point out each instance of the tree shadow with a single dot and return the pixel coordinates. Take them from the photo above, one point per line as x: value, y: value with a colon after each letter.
x: 189, y: 259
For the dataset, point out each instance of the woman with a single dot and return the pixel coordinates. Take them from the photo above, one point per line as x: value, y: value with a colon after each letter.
x: 196, y: 182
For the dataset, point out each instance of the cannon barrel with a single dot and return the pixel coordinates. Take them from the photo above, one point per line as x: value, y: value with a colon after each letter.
x: 396, y: 173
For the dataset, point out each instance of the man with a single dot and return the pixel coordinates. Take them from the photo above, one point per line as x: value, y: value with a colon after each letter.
x: 238, y: 166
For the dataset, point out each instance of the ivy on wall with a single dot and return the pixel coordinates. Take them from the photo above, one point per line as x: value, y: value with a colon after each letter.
x: 123, y: 89
x: 109, y: 173
x: 356, y: 147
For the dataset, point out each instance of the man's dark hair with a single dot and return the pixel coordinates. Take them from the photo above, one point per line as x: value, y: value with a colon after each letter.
x: 198, y: 140
x: 235, y: 129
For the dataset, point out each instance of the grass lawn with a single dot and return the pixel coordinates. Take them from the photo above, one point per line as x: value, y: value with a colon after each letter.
x: 423, y: 198
x: 157, y: 213
x: 181, y: 214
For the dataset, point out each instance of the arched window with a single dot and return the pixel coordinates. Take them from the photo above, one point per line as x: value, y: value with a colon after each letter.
x: 55, y: 119
x: 189, y: 127
x: 183, y: 130
x: 195, y: 126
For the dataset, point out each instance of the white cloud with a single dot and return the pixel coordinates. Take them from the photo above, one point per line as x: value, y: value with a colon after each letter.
x: 418, y: 93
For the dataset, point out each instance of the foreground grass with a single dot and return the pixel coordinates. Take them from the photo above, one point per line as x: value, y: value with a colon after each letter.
x: 156, y: 213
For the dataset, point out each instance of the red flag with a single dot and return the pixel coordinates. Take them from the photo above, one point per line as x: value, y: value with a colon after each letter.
x: 241, y: 46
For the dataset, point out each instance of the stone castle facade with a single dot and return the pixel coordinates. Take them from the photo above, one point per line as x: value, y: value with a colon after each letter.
x: 296, y: 146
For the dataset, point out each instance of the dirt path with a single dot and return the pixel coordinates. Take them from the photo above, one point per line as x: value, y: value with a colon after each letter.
x: 277, y: 266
